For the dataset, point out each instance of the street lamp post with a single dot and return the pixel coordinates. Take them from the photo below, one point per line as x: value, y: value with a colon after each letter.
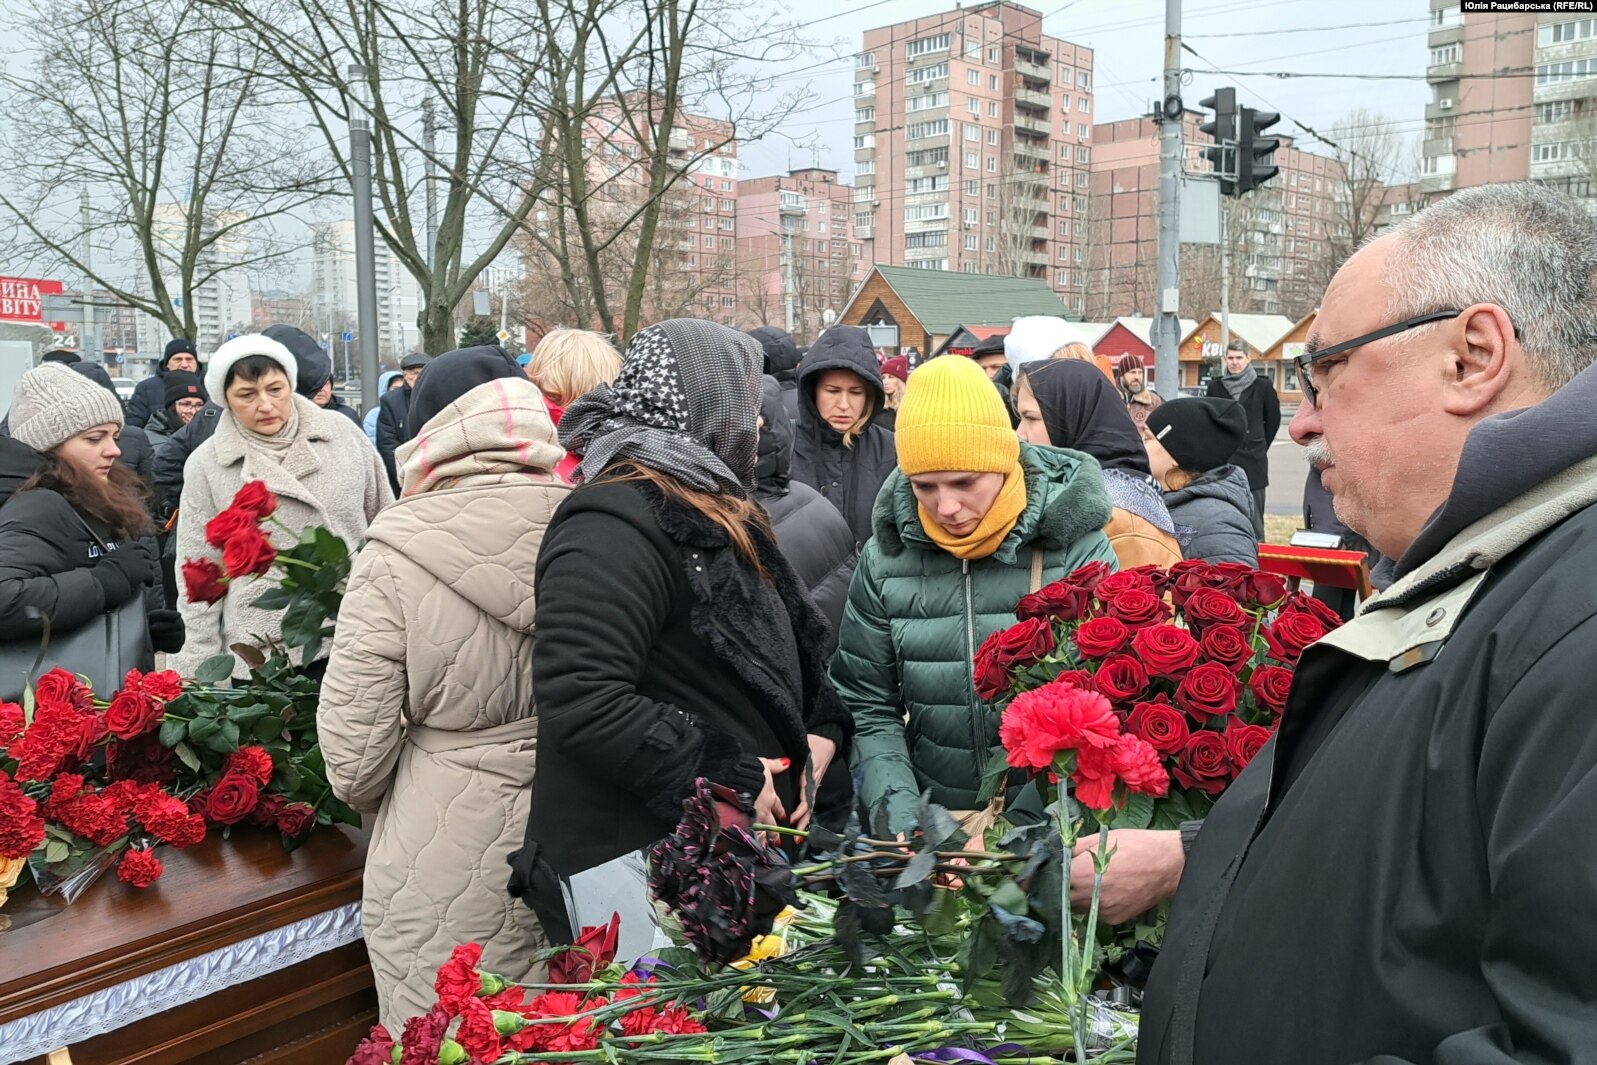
x: 360, y: 157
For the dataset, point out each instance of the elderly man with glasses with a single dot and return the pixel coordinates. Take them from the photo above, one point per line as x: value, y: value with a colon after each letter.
x: 1406, y: 872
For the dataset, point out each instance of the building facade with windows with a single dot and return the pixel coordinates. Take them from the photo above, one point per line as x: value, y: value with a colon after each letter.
x: 796, y: 244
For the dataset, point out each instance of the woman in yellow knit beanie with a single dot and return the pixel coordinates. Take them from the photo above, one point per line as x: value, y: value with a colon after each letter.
x: 972, y: 520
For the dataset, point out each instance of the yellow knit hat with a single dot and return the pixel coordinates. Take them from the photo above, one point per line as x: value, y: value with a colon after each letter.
x: 952, y: 418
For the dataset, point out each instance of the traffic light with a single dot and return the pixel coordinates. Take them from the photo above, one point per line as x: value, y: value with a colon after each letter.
x: 1223, y: 128
x: 1255, y: 153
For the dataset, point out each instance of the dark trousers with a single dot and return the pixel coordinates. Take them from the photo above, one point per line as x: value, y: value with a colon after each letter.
x: 1258, y: 514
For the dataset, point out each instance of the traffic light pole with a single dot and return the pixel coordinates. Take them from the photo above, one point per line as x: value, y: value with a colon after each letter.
x: 1166, y: 333
x: 1225, y: 282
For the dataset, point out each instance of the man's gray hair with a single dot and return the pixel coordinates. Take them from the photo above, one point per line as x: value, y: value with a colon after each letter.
x: 1528, y: 249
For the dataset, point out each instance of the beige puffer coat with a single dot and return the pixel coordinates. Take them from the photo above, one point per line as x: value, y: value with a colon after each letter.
x: 427, y: 712
x: 329, y: 476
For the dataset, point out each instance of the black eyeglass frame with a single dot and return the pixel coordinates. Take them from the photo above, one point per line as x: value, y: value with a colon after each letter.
x: 1303, y: 362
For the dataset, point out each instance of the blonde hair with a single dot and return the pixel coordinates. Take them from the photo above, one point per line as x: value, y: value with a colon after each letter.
x: 1075, y: 350
x: 893, y: 394
x: 569, y: 363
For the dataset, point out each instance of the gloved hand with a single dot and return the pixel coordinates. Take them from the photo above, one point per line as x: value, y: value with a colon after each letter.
x: 125, y: 570
x: 167, y: 631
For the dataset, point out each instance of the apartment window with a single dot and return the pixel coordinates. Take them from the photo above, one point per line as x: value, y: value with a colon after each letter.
x: 729, y: 205
x: 1081, y: 180
x: 973, y: 188
x: 992, y: 108
x: 937, y: 127
x: 709, y: 204
x: 970, y: 242
x: 992, y: 82
x: 709, y: 242
x: 970, y: 216
x: 1552, y: 153
x: 1554, y: 73
x: 1064, y: 153
x: 992, y: 218
x: 926, y: 157
x: 990, y: 244
x: 992, y: 55
x: 928, y: 264
x: 1077, y: 257
x: 862, y: 220
x: 1065, y: 105
x: 1563, y: 32
x: 1082, y: 131
x: 1083, y: 155
x: 992, y: 136
x: 973, y: 106
x: 1064, y: 253
x: 727, y: 243
x: 853, y: 249
x: 864, y: 88
x: 864, y: 114
x: 1447, y: 53
x: 1083, y: 104
x: 928, y: 102
x: 1064, y: 227
x: 1557, y: 111
x: 864, y: 140
x: 867, y: 166
x: 925, y: 74
x: 973, y: 77
x: 1081, y: 205
x: 937, y: 238
x: 926, y: 212
x: 1083, y: 80
x: 972, y: 161
x: 917, y: 186
x: 967, y: 268
x: 726, y: 186
x: 992, y: 164
x: 726, y: 301
x: 1448, y: 16
x: 972, y: 133
x: 865, y: 59
x: 726, y: 223
x: 928, y: 45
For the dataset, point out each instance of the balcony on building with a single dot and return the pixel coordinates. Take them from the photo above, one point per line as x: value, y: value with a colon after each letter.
x: 1033, y: 99
x: 793, y: 205
x: 1444, y: 72
x: 1032, y: 64
x: 1034, y: 126
x: 1453, y: 34
x: 1030, y: 151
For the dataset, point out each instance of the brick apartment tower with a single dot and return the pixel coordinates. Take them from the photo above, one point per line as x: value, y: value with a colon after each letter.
x: 972, y: 138
x: 803, y: 220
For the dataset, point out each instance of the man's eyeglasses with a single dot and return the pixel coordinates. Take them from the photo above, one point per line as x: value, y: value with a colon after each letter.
x: 1305, y: 362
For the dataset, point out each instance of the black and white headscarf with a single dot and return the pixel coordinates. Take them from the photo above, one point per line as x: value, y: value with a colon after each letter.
x: 686, y: 403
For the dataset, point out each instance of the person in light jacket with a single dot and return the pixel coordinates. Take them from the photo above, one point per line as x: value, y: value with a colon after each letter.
x: 427, y: 710
x: 1189, y: 441
x: 317, y: 462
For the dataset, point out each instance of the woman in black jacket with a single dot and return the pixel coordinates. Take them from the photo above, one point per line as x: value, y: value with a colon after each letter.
x: 839, y: 453
x: 674, y: 640
x: 75, y: 537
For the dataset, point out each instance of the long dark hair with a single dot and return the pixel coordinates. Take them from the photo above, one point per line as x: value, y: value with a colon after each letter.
x: 735, y: 516
x: 118, y: 502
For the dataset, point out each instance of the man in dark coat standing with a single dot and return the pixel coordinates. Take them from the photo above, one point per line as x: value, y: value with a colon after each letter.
x: 394, y: 412
x: 1244, y: 384
x: 149, y: 395
x: 1401, y: 875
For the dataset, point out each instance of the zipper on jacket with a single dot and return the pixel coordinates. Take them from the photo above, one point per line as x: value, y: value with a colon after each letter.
x: 978, y: 714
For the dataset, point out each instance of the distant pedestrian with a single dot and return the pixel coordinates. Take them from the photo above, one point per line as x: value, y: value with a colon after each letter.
x: 912, y: 356
x: 390, y: 380
x: 61, y: 355
x: 1243, y: 383
x: 1132, y: 377
x: 183, y: 397
x: 895, y: 372
x: 149, y: 395
x: 394, y: 413
x: 782, y: 361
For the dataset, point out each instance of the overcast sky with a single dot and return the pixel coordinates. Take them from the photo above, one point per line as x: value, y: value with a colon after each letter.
x: 1301, y: 37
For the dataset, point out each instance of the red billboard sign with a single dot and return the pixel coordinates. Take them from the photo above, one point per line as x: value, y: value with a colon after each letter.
x: 22, y: 298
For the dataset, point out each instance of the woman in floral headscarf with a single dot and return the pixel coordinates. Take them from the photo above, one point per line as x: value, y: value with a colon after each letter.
x: 674, y: 640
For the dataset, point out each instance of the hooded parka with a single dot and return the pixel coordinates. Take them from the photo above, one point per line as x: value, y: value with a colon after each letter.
x: 781, y: 362
x: 1215, y: 516
x: 916, y: 615
x: 849, y: 477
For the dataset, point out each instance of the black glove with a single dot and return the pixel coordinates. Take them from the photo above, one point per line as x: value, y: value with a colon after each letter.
x: 167, y: 631
x: 122, y: 571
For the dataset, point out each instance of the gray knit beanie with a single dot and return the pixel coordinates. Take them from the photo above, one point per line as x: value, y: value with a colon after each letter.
x: 52, y: 404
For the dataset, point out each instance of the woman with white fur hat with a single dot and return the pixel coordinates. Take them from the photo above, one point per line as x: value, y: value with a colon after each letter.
x: 75, y: 538
x: 317, y: 462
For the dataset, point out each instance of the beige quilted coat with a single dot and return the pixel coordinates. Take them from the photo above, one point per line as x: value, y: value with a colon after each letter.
x: 426, y: 713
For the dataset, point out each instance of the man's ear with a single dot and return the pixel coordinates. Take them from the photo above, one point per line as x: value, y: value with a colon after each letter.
x: 1482, y: 365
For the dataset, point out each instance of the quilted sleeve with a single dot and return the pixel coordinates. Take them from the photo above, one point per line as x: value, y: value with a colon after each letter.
x: 202, y: 622
x: 360, y: 717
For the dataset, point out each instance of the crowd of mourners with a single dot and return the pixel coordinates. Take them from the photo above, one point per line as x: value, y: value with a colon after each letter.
x: 587, y: 578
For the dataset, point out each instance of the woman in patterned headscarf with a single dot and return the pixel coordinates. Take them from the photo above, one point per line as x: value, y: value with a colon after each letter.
x: 674, y: 640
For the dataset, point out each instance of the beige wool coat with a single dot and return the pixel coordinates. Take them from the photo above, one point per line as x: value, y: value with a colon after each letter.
x: 328, y: 476
x: 427, y: 713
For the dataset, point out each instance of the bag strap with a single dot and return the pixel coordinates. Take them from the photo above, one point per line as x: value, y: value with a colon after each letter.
x: 105, y: 547
x: 1036, y: 569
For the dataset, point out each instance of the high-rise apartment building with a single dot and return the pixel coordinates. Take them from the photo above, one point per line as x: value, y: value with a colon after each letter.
x: 973, y: 146
x: 1563, y: 135
x: 334, y: 297
x: 795, y: 245
x: 1478, y: 125
x: 222, y: 297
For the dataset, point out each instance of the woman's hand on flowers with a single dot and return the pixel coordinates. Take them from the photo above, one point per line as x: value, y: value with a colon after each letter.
x: 768, y: 808
x: 1144, y: 869
x: 822, y: 751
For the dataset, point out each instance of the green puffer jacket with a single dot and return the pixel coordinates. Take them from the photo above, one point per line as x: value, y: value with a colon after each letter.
x: 916, y: 615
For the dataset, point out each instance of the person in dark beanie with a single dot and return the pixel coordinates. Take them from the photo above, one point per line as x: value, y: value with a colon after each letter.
x: 61, y: 355
x: 315, y: 369
x: 149, y: 395
x: 183, y: 398
x: 393, y: 415
x: 782, y: 358
x: 1132, y: 376
x: 1244, y: 384
x: 1190, y: 442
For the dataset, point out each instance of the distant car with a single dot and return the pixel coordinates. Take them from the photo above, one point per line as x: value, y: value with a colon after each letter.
x: 124, y: 388
x: 1193, y: 390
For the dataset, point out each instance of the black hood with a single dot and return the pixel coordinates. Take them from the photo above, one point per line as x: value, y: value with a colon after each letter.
x: 453, y: 374
x: 1506, y: 455
x: 96, y: 373
x: 781, y: 353
x: 842, y: 347
x: 1085, y: 412
x: 772, y: 467
x: 18, y: 462
x: 315, y: 367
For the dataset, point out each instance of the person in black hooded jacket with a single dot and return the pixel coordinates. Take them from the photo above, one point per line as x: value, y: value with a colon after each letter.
x: 839, y: 453
x: 781, y: 362
x: 149, y: 394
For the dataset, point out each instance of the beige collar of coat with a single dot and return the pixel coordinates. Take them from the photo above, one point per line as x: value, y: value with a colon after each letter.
x: 500, y: 427
x: 285, y: 473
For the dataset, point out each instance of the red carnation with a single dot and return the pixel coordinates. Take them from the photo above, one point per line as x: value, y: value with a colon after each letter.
x: 1025, y: 642
x: 1161, y: 724
x: 1210, y: 606
x: 133, y: 713
x: 675, y: 1020
x: 1137, y: 608
x: 1204, y: 764
x: 1209, y: 690
x: 164, y: 685
x: 1271, y: 685
x: 1040, y: 723
x: 1121, y: 678
x: 1137, y: 764
x: 1226, y: 645
x: 561, y: 1038
x: 12, y: 722
x: 94, y: 817
x: 60, y: 735
x: 256, y: 500
x: 424, y: 1036
x: 204, y: 581
x: 458, y: 979
x: 139, y: 867
x: 593, y: 949
x: 477, y: 1035
x: 21, y: 827
x: 1101, y: 637
x: 296, y: 819
x: 1165, y: 651
x: 253, y: 762
x: 229, y: 800
x: 249, y: 553
x: 170, y: 820
x: 1242, y: 742
x: 1061, y: 601
x: 376, y: 1049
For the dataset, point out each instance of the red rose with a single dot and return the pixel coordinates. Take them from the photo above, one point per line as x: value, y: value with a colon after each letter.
x: 204, y: 581
x: 1186, y: 578
x: 21, y: 827
x: 1209, y: 690
x: 458, y: 979
x: 1040, y: 723
x: 266, y: 811
x: 1264, y: 589
x: 1165, y: 650
x: 1025, y: 642
x: 59, y: 686
x: 1298, y: 603
x: 248, y: 553
x: 1117, y: 584
x: 1137, y: 608
x: 296, y: 819
x: 1077, y: 678
x: 132, y: 714
x: 1090, y: 575
x: 229, y: 800
x: 1209, y: 606
x: 1226, y: 645
x: 1271, y: 685
x: 256, y: 500
x: 594, y: 949
x: 228, y: 526
x: 142, y: 760
x: 1291, y: 634
x: 1232, y: 577
x: 1204, y: 764
x: 1242, y: 742
x: 992, y: 676
x: 1101, y: 637
x: 139, y: 867
x: 1159, y: 579
x: 253, y: 762
x: 1162, y: 725
x: 1121, y: 678
x: 1061, y: 601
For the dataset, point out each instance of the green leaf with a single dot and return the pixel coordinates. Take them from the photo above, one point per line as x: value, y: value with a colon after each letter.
x: 267, y: 729
x: 186, y: 755
x: 944, y: 918
x: 1137, y: 814
x: 329, y: 548
x: 229, y: 733
x: 56, y: 851
x: 202, y: 729
x: 273, y: 599
x: 215, y: 670
x: 302, y: 622
x: 340, y: 813
x: 1009, y: 896
x: 992, y: 777
x: 172, y: 731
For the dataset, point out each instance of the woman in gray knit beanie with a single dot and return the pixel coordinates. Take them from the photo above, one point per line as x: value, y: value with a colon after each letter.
x: 75, y: 538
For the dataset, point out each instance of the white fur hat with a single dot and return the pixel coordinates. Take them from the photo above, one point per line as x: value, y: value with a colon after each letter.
x: 243, y: 347
x: 1037, y: 336
x: 53, y: 403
